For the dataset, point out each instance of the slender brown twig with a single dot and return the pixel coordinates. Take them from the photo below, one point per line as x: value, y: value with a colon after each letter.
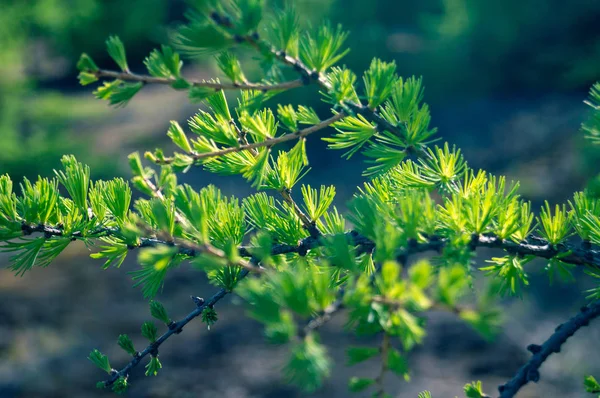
x: 174, y: 328
x: 146, y: 79
x: 266, y: 143
x: 530, y: 371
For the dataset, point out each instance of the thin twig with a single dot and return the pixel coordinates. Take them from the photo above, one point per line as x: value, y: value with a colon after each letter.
x: 286, y: 194
x: 385, y: 346
x: 312, y: 76
x: 146, y: 79
x: 266, y: 143
x: 530, y: 371
x: 307, y: 222
x: 318, y: 321
x: 174, y: 328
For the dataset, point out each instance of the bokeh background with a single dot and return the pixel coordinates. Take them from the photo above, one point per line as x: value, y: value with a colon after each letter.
x: 505, y: 80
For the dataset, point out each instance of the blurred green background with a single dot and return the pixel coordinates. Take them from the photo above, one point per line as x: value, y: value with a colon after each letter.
x: 505, y: 80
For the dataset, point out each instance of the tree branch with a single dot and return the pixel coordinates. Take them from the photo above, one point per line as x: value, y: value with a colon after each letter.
x: 266, y: 143
x: 318, y: 321
x: 146, y: 79
x: 530, y: 371
x: 569, y: 253
x: 174, y: 328
x: 311, y: 76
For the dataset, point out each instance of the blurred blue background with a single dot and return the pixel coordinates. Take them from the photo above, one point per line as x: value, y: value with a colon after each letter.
x: 505, y: 80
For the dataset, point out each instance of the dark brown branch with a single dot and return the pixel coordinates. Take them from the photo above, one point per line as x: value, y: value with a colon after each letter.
x: 530, y: 371
x: 569, y: 253
x: 146, y: 79
x: 318, y: 321
x: 174, y: 328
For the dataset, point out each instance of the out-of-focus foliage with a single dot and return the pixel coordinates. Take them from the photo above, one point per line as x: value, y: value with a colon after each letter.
x: 477, y: 42
x: 493, y: 44
x: 40, y: 41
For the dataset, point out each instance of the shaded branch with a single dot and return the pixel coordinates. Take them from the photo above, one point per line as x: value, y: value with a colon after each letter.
x: 174, y: 328
x: 384, y: 349
x: 310, y: 225
x: 569, y: 253
x: 147, y: 79
x: 530, y: 371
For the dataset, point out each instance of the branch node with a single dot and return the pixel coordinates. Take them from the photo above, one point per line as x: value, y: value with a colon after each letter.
x: 199, y: 301
x: 534, y: 348
x: 533, y: 375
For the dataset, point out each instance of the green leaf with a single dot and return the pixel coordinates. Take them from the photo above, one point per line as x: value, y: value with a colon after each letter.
x: 340, y: 254
x: 341, y: 86
x: 76, y: 179
x: 307, y: 115
x: 322, y: 49
x: 120, y: 385
x: 288, y: 117
x: 308, y: 365
x: 209, y: 316
x: 105, y: 91
x: 114, y: 253
x: 379, y: 82
x: 199, y: 37
x: 123, y: 93
x: 116, y: 50
x: 164, y: 64
x: 591, y: 385
x: 474, y: 390
x: 282, y: 331
x: 86, y: 64
x: 199, y: 94
x: 159, y: 312
x: 37, y: 203
x: 86, y: 78
x: 316, y: 202
x: 149, y: 331
x: 554, y: 228
x: 230, y: 66
x: 100, y: 360
x: 261, y: 125
x: 33, y: 252
x: 178, y: 137
x: 117, y: 197
x: 360, y: 354
x: 357, y: 384
x: 155, y: 262
x: 153, y: 366
x: 126, y: 344
x: 354, y: 132
x: 284, y: 29
x: 218, y: 103
x: 398, y: 364
x: 509, y: 270
x: 250, y: 15
x: 591, y: 127
x: 425, y: 394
